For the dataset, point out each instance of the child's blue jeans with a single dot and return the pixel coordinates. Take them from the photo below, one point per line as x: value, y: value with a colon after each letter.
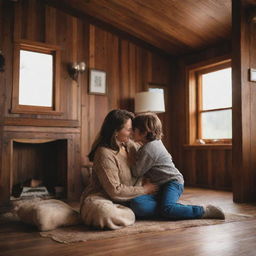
x: 164, y: 204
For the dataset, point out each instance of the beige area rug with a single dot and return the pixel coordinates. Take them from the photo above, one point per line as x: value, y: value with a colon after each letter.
x: 82, y: 233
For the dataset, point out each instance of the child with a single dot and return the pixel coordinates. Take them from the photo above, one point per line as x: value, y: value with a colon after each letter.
x: 153, y: 162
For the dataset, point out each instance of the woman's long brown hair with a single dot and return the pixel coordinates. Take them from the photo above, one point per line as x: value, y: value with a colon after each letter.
x: 113, y: 122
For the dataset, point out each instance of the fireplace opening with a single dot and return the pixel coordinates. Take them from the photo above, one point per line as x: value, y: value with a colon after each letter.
x: 39, y: 169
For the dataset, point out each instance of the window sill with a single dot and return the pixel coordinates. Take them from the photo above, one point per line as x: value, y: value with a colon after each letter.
x: 208, y: 146
x: 35, y: 110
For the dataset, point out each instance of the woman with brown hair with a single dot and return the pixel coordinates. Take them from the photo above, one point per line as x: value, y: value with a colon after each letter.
x: 103, y: 201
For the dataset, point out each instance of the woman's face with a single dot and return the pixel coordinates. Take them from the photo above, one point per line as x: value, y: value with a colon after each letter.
x: 124, y: 134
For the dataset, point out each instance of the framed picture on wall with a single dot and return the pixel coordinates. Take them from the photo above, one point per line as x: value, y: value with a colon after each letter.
x: 97, y: 82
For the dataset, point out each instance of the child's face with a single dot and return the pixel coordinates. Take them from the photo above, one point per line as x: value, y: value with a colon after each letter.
x: 138, y: 136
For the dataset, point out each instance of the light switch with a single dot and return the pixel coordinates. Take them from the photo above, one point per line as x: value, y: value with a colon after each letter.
x: 252, y: 73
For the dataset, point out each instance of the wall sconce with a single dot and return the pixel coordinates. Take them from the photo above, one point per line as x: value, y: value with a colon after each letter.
x: 75, y: 68
x: 251, y: 14
x: 149, y: 102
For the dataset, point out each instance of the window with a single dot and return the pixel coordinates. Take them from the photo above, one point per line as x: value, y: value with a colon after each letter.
x: 34, y: 91
x: 211, y: 106
x: 36, y: 78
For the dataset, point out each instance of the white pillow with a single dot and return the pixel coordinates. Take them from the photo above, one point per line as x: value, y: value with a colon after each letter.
x: 47, y: 214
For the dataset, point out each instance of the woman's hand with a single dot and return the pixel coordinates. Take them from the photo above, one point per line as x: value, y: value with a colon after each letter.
x: 150, y: 188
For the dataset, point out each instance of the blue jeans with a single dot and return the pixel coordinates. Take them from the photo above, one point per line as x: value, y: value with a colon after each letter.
x: 164, y: 204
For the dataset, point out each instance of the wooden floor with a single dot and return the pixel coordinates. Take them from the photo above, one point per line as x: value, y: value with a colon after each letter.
x: 230, y: 239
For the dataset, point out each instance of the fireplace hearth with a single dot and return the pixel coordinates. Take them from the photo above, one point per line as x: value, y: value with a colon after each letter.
x: 38, y: 168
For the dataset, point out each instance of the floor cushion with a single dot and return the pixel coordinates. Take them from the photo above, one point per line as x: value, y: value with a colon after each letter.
x: 47, y: 214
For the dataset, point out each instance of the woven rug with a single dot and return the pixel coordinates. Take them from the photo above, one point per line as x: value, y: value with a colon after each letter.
x: 81, y: 233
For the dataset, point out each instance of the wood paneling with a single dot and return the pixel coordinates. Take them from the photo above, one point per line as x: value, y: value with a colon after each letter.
x: 62, y: 32
x: 199, y: 164
x: 244, y: 93
x: 177, y: 27
x: 208, y: 166
x: 129, y: 67
x: 2, y: 80
x: 222, y: 169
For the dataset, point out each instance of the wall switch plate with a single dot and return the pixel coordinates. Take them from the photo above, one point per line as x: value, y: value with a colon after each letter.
x: 252, y: 75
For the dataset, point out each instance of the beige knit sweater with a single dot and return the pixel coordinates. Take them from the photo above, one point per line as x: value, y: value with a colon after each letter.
x: 112, y: 176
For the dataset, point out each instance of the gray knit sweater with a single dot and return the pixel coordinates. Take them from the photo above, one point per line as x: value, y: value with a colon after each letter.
x: 154, y: 162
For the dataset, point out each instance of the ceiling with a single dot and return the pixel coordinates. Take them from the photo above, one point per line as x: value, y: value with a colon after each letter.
x: 175, y: 26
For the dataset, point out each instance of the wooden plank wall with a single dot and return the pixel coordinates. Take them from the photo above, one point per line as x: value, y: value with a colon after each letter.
x: 129, y: 70
x: 207, y: 166
x: 129, y: 67
x: 202, y: 166
x: 33, y: 20
x: 2, y: 82
x: 244, y: 95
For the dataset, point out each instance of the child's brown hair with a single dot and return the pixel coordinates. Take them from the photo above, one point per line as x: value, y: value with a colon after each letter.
x: 149, y: 123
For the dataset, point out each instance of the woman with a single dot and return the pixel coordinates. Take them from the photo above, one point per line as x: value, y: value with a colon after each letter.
x: 102, y: 202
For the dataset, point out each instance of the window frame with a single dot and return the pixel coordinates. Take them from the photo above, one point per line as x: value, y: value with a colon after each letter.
x: 195, y: 102
x: 40, y: 48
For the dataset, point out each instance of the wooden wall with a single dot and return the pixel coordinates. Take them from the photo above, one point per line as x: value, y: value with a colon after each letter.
x: 244, y: 95
x: 32, y: 20
x: 1, y: 83
x: 201, y: 165
x: 129, y: 67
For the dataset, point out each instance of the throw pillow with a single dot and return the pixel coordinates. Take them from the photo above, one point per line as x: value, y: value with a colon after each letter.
x: 47, y: 214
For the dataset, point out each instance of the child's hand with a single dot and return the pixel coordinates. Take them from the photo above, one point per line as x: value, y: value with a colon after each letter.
x: 145, y: 181
x: 150, y: 188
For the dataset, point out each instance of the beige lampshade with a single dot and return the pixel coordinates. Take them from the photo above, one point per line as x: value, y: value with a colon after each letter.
x: 149, y: 102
